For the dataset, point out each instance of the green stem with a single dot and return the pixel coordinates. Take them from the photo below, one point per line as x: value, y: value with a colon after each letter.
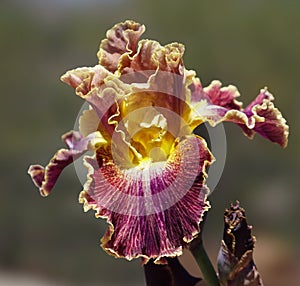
x: 202, y: 259
x: 204, y: 263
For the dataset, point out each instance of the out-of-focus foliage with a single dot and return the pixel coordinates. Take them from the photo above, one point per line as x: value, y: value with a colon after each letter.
x: 247, y: 43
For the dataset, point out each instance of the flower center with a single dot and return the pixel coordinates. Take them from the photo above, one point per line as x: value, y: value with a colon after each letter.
x: 157, y: 154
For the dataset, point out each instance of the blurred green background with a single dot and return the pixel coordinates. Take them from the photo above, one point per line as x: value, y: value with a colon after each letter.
x: 249, y: 43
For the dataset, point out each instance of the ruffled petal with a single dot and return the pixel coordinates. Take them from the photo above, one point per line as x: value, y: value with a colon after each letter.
x: 152, y: 210
x: 216, y: 104
x: 122, y: 52
x: 152, y: 56
x: 269, y: 121
x: 85, y: 79
x: 45, y: 178
x: 121, y: 39
x: 147, y: 175
x: 223, y: 96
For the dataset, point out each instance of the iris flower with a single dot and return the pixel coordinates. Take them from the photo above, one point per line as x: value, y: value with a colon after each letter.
x: 147, y: 174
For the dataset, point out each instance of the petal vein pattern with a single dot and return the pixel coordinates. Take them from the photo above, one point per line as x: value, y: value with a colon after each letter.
x: 147, y: 174
x: 165, y: 201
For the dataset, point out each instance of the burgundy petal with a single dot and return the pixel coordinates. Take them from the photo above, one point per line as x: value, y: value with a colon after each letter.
x: 45, y: 178
x: 220, y: 104
x: 273, y: 126
x: 135, y: 203
x: 223, y: 96
x: 215, y: 94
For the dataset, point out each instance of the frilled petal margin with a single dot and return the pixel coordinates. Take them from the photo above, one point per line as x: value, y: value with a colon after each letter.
x: 45, y: 178
x: 122, y: 52
x: 270, y: 124
x: 152, y: 211
x: 121, y: 39
x: 217, y: 104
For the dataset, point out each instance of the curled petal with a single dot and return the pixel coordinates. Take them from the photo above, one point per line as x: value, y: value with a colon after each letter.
x: 121, y: 39
x: 147, y: 175
x: 272, y: 126
x: 235, y: 260
x: 223, y: 96
x: 215, y: 94
x: 152, y: 210
x: 85, y: 79
x: 217, y: 104
x: 143, y: 60
x: 151, y: 56
x: 45, y: 178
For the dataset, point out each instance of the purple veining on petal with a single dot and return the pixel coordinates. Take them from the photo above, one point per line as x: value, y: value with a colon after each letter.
x: 175, y: 176
x: 152, y: 201
x: 141, y: 223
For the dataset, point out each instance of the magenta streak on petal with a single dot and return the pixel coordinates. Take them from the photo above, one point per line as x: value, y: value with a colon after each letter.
x: 45, y: 178
x: 161, y: 234
x: 141, y: 223
x: 177, y: 174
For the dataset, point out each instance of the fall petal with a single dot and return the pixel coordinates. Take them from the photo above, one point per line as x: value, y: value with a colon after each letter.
x: 269, y: 123
x: 152, y: 211
x: 147, y: 175
x: 212, y: 103
x: 215, y: 94
x: 45, y: 178
x: 216, y: 104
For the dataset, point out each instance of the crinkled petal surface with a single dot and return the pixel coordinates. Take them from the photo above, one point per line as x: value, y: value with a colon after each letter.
x: 152, y: 212
x: 217, y: 104
x: 269, y: 121
x: 121, y: 39
x: 147, y: 175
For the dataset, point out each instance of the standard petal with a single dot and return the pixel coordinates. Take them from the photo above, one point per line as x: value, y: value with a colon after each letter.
x: 150, y: 57
x: 152, y: 210
x: 45, y: 178
x: 121, y: 39
x: 85, y: 79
